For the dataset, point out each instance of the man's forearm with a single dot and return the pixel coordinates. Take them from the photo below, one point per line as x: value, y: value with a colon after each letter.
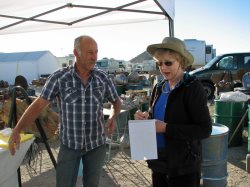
x: 116, y: 108
x: 31, y: 113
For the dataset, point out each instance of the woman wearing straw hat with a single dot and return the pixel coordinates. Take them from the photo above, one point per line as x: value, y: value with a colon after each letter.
x: 179, y: 105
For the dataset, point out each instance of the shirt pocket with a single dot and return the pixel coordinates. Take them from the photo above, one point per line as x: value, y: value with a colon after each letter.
x: 98, y: 93
x: 71, y: 95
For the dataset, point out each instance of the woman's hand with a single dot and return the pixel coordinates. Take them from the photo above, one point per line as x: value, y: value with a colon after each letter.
x: 139, y: 115
x: 160, y: 126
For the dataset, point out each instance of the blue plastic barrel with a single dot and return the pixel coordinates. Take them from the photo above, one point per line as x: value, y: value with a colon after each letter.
x: 214, y: 157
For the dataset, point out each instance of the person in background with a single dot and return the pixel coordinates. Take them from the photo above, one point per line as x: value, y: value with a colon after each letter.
x: 80, y: 90
x: 179, y: 105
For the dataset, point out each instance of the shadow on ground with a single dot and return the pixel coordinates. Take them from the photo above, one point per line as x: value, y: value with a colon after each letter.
x: 237, y: 156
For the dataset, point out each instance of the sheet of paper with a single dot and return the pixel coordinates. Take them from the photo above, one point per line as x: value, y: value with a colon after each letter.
x: 142, y: 138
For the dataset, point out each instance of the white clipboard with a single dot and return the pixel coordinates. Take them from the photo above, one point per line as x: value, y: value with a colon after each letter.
x: 142, y: 138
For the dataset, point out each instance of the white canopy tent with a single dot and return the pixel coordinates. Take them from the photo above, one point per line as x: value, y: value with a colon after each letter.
x: 21, y: 16
x: 28, y: 15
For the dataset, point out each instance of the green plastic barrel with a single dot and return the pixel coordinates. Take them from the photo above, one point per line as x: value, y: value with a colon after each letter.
x: 121, y: 89
x: 132, y: 112
x: 248, y: 147
x: 134, y: 87
x: 229, y: 113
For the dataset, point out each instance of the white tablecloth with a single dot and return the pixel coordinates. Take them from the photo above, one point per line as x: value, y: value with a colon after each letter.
x: 9, y: 164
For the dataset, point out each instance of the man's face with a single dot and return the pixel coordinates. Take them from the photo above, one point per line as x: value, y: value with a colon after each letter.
x: 87, y: 56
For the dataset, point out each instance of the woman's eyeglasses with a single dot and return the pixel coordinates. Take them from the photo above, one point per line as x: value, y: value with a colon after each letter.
x: 166, y: 63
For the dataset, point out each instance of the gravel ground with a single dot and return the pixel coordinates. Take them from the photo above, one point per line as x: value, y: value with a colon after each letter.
x: 121, y: 171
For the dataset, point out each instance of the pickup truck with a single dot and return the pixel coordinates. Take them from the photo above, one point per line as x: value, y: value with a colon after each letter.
x: 234, y: 63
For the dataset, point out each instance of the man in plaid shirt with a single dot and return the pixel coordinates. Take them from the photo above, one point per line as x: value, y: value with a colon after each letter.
x: 80, y: 90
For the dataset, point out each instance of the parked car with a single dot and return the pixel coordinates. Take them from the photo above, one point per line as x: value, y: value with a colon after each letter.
x: 234, y: 63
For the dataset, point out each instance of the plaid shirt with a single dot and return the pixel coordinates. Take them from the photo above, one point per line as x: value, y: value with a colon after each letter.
x: 80, y: 107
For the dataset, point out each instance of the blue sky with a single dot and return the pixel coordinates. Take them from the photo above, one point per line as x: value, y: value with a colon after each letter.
x: 223, y: 23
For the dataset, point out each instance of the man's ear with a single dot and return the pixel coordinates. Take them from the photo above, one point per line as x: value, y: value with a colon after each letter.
x: 76, y: 53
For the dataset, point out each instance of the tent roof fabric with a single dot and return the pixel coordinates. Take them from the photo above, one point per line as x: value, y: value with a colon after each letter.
x: 22, y: 56
x: 29, y: 15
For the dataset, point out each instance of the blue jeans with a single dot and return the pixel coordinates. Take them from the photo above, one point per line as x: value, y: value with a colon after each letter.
x: 68, y: 165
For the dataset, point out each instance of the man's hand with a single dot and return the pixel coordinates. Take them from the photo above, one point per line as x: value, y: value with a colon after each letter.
x: 110, y: 126
x: 14, y: 142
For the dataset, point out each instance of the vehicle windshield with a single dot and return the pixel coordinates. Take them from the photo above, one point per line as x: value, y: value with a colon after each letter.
x: 102, y: 63
x: 209, y: 64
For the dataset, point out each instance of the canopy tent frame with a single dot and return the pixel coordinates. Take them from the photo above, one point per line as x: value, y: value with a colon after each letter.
x: 108, y: 9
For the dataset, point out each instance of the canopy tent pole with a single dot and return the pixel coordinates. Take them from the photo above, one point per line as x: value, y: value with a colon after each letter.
x: 171, y: 27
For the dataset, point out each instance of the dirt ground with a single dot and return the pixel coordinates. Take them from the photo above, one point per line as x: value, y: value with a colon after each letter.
x: 123, y: 172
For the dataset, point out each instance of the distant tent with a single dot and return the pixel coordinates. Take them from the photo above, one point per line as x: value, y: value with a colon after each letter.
x: 30, y: 65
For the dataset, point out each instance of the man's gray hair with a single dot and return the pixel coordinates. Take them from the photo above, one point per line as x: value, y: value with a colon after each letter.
x: 78, y: 42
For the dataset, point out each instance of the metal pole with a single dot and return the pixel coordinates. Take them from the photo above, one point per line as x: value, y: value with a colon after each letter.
x: 238, y: 126
x: 171, y: 27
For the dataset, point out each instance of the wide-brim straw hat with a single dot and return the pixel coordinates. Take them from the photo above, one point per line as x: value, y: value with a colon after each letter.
x: 174, y: 44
